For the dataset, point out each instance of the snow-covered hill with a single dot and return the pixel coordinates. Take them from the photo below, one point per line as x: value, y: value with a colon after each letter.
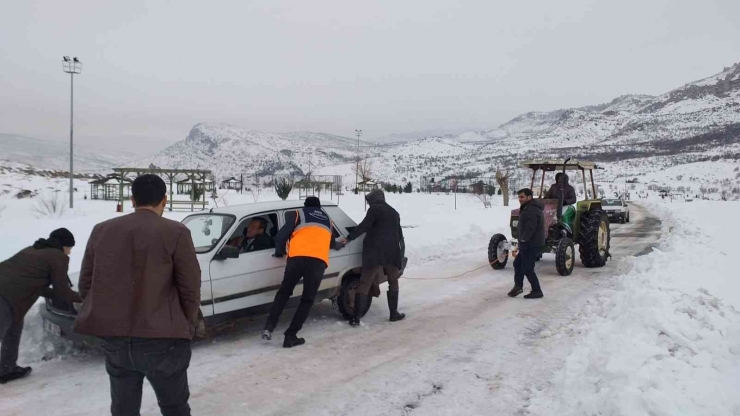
x: 632, y: 135
x: 230, y: 151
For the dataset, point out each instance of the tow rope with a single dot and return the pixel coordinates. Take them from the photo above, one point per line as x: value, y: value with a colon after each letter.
x: 461, y: 274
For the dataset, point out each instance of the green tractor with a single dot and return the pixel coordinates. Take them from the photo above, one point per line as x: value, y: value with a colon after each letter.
x: 585, y: 224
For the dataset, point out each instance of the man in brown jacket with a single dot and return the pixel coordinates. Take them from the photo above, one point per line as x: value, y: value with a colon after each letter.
x: 23, y: 278
x: 140, y: 285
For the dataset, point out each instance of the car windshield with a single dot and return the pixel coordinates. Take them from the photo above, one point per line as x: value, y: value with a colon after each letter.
x: 612, y: 202
x: 207, y: 229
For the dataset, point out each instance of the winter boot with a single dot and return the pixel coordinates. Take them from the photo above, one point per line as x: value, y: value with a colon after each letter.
x: 393, y: 306
x: 15, y: 374
x: 534, y: 294
x: 267, y: 335
x: 515, y: 291
x: 292, y: 341
x: 360, y: 302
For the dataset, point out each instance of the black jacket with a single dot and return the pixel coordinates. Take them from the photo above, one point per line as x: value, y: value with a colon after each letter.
x: 383, y: 227
x: 531, y: 226
x: 570, y: 193
x: 261, y: 242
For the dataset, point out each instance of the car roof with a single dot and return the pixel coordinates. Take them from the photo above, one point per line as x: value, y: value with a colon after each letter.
x: 247, y: 209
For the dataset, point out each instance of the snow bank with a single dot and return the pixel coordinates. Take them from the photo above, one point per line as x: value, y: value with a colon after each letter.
x: 664, y: 337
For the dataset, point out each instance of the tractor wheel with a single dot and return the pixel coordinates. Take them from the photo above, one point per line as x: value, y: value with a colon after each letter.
x: 346, y: 298
x: 498, y: 252
x: 594, y: 239
x: 565, y: 257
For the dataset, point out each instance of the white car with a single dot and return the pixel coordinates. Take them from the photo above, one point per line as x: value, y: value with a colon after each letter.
x: 235, y: 284
x: 616, y: 209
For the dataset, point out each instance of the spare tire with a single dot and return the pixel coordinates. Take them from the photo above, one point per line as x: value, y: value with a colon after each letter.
x: 346, y: 298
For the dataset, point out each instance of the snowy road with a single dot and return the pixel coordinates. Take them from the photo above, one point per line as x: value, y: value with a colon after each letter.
x: 464, y: 349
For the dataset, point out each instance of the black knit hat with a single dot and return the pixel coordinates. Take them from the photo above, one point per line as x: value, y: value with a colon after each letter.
x: 63, y: 236
x: 312, y: 201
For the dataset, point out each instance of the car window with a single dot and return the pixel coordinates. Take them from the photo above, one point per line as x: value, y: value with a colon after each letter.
x: 239, y: 238
x: 207, y: 229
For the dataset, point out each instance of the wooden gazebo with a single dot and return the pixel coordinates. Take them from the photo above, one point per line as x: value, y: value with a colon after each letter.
x: 195, y: 176
x: 185, y: 186
x: 111, y: 188
x: 231, y: 183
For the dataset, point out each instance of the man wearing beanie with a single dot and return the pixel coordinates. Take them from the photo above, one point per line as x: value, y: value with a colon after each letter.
x: 23, y: 278
x: 310, y: 233
x: 140, y: 285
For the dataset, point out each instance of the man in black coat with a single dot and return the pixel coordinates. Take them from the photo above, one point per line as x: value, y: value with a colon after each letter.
x: 569, y: 193
x: 531, y: 233
x: 381, y: 252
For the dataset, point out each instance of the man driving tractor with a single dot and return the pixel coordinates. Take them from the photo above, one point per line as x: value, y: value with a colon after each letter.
x: 569, y: 196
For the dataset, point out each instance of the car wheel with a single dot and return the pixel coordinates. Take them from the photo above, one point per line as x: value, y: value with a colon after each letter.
x: 628, y: 217
x: 346, y: 298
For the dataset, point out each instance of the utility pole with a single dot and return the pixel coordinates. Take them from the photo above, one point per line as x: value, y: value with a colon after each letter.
x: 357, y: 167
x: 71, y: 66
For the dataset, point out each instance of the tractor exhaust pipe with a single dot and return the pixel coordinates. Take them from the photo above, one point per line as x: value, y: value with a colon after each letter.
x: 561, y: 195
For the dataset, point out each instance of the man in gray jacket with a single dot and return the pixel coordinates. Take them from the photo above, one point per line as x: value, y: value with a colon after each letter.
x: 531, y: 234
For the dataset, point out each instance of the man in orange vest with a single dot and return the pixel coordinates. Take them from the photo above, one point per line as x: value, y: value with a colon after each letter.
x: 308, y: 234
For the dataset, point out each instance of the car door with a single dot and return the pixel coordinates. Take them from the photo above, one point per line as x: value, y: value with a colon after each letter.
x: 251, y: 279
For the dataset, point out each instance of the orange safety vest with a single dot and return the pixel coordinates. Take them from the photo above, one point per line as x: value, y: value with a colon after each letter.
x: 312, y: 236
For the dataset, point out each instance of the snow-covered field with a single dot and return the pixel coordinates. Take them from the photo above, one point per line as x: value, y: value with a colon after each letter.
x: 657, y: 334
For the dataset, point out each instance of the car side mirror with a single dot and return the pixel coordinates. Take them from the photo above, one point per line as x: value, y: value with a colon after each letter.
x: 227, y: 252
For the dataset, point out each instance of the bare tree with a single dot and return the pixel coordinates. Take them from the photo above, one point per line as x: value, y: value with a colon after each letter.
x: 364, y: 170
x: 50, y: 205
x: 502, y: 178
x: 256, y: 189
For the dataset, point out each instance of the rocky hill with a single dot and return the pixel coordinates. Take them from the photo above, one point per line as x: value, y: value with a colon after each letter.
x: 632, y: 135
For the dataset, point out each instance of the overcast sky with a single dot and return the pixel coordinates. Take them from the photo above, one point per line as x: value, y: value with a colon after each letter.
x: 153, y: 69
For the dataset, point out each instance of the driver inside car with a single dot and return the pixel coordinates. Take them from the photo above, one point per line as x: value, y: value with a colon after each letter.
x: 254, y: 237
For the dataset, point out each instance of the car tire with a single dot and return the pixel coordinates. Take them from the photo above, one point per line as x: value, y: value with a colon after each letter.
x: 346, y: 298
x: 628, y: 217
x: 565, y: 257
x: 494, y: 253
x: 622, y: 219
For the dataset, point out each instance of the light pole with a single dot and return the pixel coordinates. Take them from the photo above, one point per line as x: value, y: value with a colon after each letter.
x: 357, y: 167
x: 71, y: 66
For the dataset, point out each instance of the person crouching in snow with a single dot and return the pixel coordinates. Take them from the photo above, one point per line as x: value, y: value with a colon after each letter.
x: 23, y: 278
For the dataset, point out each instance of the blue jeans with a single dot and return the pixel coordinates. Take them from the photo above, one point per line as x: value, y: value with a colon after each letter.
x: 164, y: 362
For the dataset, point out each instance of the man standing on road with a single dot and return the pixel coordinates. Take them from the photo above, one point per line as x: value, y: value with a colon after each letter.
x: 140, y: 285
x: 531, y: 233
x: 310, y: 233
x: 23, y: 278
x: 381, y: 253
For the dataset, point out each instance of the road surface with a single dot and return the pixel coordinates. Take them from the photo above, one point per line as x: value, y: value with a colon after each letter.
x: 464, y: 349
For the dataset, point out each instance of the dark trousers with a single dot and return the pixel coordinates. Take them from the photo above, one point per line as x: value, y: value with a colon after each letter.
x: 10, y: 335
x: 371, y: 274
x: 524, y: 266
x: 164, y: 362
x: 311, y: 270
